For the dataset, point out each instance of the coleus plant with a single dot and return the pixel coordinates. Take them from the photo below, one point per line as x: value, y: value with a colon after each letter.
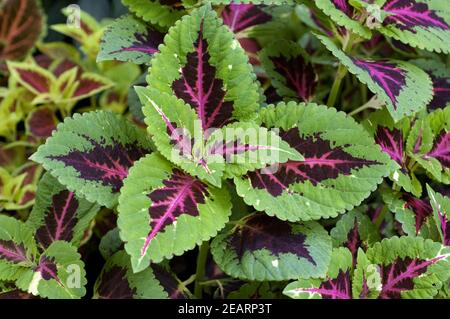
x: 298, y: 165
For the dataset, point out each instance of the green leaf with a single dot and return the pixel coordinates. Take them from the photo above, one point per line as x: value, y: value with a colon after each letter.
x: 441, y: 214
x: 335, y: 285
x: 91, y: 153
x: 312, y: 189
x: 117, y: 281
x: 59, y: 274
x: 129, y: 39
x: 342, y: 18
x: 418, y: 269
x: 110, y: 243
x: 266, y: 2
x: 154, y: 12
x: 227, y: 60
x: 404, y: 88
x: 263, y: 248
x: 164, y: 212
x: 59, y: 214
x: 17, y: 248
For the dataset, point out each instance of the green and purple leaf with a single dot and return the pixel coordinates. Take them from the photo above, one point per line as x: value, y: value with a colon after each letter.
x: 405, y: 267
x: 335, y: 285
x: 59, y: 214
x: 339, y: 153
x: 403, y: 87
x: 290, y: 74
x: 129, y: 39
x: 239, y: 17
x: 117, y: 281
x: 162, y: 12
x: 420, y: 23
x: 91, y: 153
x: 158, y: 203
x: 266, y: 248
x: 441, y: 214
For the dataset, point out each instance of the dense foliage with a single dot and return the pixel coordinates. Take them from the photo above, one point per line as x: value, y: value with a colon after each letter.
x: 217, y: 149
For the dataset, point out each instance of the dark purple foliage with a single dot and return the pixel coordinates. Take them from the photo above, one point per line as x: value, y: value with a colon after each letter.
x: 12, y: 252
x: 408, y: 14
x: 59, y: 220
x: 354, y: 241
x: 421, y: 208
x: 441, y: 149
x: 48, y: 269
x: 264, y: 232
x: 321, y: 162
x: 199, y: 87
x: 107, y: 164
x: 168, y: 282
x: 298, y: 74
x: 114, y: 285
x: 242, y: 16
x: 181, y: 194
x: 387, y: 75
x: 391, y: 142
x: 441, y: 92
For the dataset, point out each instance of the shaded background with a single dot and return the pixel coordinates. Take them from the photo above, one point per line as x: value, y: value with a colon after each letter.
x: 99, y: 9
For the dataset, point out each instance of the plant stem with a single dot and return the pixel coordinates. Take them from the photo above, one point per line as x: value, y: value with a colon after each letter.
x: 341, y: 72
x: 373, y: 103
x: 200, y: 272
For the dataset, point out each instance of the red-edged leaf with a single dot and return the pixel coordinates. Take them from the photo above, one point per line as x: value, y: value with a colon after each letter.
x: 387, y: 75
x: 107, y: 164
x: 441, y: 149
x: 299, y: 75
x: 391, y: 142
x: 89, y: 84
x: 181, y: 194
x: 201, y: 89
x: 21, y: 26
x: 34, y: 78
x: 321, y: 162
x: 12, y: 252
x: 421, y: 208
x: 66, y: 65
x: 60, y: 220
x: 407, y: 14
x: 242, y: 16
x: 399, y: 275
x: 41, y: 122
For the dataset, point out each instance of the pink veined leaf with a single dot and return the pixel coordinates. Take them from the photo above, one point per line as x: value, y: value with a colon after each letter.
x: 344, y: 6
x: 421, y: 208
x: 398, y: 276
x: 48, y: 269
x: 181, y: 194
x: 264, y: 232
x: 59, y: 220
x: 12, y: 252
x: 391, y: 142
x: 114, y: 285
x: 441, y: 92
x: 42, y: 122
x: 387, y: 75
x: 107, y: 164
x: 199, y: 87
x: 239, y: 17
x: 441, y: 149
x: 407, y: 14
x: 321, y: 162
x: 418, y: 142
x: 353, y: 241
x: 299, y: 75
x: 337, y: 288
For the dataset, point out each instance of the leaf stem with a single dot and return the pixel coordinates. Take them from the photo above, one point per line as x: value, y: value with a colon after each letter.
x: 341, y: 72
x: 200, y: 272
x: 373, y: 103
